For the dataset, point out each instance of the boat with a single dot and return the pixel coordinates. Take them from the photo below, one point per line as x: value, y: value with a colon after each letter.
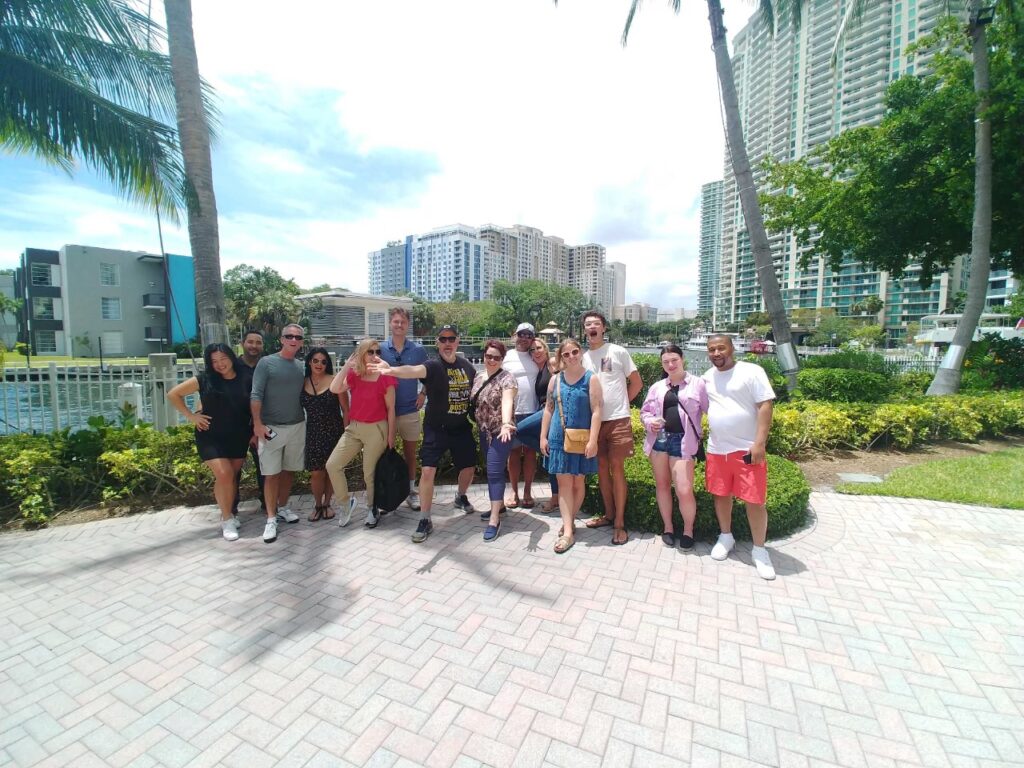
x: 699, y: 343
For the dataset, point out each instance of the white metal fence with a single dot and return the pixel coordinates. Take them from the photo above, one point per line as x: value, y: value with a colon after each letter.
x: 52, y: 397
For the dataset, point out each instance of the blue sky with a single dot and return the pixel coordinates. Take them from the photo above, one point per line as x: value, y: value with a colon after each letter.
x: 346, y: 125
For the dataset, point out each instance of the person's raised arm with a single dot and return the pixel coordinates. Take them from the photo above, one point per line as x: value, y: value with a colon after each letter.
x: 399, y: 371
x: 339, y: 384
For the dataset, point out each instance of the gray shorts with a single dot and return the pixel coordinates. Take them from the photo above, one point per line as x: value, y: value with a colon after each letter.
x: 286, y: 452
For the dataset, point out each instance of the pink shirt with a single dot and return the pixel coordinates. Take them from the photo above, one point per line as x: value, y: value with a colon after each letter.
x: 368, y: 397
x: 693, y: 401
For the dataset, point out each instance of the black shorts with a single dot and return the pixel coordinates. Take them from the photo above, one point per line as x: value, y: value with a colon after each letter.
x: 437, y: 441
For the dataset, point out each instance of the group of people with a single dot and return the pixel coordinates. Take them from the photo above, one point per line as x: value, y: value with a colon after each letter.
x: 570, y: 408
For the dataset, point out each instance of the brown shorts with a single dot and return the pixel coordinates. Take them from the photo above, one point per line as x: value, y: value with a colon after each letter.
x: 615, y: 440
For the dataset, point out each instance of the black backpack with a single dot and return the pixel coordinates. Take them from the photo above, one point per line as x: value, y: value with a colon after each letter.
x: 391, y: 481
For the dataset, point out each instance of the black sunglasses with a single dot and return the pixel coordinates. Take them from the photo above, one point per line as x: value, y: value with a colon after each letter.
x: 493, y: 357
x: 447, y: 339
x: 292, y: 337
x: 526, y: 335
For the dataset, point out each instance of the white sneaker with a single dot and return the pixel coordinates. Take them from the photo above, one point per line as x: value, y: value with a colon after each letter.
x: 372, y: 518
x: 270, y: 531
x: 287, y: 515
x: 414, y: 500
x: 723, y: 546
x: 345, y: 515
x: 763, y: 563
x: 230, y: 529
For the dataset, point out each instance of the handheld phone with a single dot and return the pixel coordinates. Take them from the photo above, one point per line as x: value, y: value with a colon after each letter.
x: 747, y: 458
x: 271, y: 434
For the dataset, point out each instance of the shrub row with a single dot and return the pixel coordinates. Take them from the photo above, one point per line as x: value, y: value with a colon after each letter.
x: 805, y: 426
x: 788, y: 493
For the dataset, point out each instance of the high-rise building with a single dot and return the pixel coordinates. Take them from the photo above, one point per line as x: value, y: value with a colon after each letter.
x: 710, y: 254
x: 447, y: 261
x: 638, y: 312
x: 791, y: 100
x: 619, y: 272
x: 391, y: 268
x: 85, y: 301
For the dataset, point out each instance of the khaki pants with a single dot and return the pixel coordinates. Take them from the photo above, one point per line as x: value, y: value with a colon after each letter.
x: 372, y: 440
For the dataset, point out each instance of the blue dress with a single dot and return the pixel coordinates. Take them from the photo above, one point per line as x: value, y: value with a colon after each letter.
x: 576, y: 399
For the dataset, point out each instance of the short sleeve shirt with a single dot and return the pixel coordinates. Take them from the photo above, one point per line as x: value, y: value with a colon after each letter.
x: 367, y: 397
x: 488, y: 403
x: 411, y: 354
x: 524, y: 370
x: 613, y: 365
x: 733, y: 396
x: 448, y: 391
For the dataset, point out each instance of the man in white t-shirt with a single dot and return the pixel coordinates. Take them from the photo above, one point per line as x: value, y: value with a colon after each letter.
x: 620, y: 383
x: 740, y: 415
x: 519, y: 362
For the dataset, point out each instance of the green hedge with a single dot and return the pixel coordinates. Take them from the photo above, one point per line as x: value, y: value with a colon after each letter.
x: 788, y: 493
x: 843, y: 385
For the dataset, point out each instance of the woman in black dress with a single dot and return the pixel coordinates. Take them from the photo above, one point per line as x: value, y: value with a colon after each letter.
x: 323, y: 427
x: 223, y: 423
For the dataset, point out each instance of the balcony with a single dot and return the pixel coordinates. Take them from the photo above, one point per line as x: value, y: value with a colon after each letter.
x: 155, y: 334
x: 154, y: 301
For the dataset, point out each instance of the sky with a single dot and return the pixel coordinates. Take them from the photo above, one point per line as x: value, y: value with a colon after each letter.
x: 347, y: 124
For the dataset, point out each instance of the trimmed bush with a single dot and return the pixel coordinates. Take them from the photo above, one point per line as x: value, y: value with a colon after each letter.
x: 844, y: 385
x: 849, y: 359
x: 788, y: 493
x: 910, y: 384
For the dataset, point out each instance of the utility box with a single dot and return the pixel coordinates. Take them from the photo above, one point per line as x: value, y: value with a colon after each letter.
x: 130, y: 398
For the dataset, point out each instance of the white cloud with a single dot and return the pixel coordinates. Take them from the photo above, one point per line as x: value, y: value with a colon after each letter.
x: 535, y: 114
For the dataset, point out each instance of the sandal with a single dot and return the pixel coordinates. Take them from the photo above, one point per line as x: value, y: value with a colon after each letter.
x: 528, y: 503
x: 564, y: 544
x: 513, y: 503
x: 598, y: 522
x: 615, y: 536
x: 550, y: 505
x: 316, y: 514
x: 328, y: 512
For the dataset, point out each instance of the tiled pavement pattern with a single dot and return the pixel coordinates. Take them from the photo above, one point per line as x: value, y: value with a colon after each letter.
x: 893, y: 636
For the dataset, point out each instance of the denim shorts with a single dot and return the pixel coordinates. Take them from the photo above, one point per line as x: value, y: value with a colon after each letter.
x: 674, y: 447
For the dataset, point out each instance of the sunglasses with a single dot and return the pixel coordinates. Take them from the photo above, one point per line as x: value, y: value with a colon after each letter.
x: 292, y: 337
x: 374, y: 352
x: 526, y: 335
x: 447, y: 339
x: 318, y: 361
x: 492, y: 357
x: 570, y: 353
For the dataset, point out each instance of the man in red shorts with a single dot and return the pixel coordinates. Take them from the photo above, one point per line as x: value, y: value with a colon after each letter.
x: 740, y: 415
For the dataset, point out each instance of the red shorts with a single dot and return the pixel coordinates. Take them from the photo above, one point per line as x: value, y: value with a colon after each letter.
x: 727, y: 475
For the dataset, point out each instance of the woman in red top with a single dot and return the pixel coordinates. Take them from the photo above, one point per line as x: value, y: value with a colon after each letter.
x: 371, y: 429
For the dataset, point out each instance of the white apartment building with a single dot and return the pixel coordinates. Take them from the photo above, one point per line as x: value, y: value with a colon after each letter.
x: 619, y: 273
x: 791, y: 100
x: 637, y: 312
x: 448, y: 260
x: 672, y: 315
x: 710, y: 253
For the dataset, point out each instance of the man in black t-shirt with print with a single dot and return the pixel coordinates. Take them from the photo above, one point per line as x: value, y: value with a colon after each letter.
x: 447, y: 381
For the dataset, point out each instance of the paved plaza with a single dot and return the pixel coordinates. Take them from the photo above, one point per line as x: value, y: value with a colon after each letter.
x: 893, y: 636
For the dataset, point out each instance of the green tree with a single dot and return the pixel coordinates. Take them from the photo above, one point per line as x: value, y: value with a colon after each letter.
x: 831, y: 331
x: 1014, y: 307
x: 263, y: 300
x: 919, y: 185
x: 869, y: 335
x: 870, y: 305
x: 194, y: 130
x: 747, y: 191
x: 423, y: 320
x: 77, y: 80
x: 539, y: 303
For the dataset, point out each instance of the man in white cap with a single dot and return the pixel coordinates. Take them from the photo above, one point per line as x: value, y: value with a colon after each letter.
x: 519, y: 362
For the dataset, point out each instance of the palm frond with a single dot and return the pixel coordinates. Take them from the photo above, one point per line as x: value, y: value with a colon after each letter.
x: 115, y: 21
x: 57, y: 118
x: 854, y: 13
x: 633, y: 8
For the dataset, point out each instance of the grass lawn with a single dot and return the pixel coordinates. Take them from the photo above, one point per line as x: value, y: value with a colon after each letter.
x: 993, y: 480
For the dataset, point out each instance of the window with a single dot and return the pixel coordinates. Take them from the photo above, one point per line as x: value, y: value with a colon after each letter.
x: 110, y: 308
x: 41, y: 274
x: 110, y: 274
x: 42, y: 308
x: 46, y: 343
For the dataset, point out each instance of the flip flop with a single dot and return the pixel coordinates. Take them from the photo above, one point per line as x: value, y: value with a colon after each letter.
x: 512, y: 504
x: 527, y: 503
x: 548, y: 506
x: 616, y: 533
x: 316, y: 514
x: 599, y: 522
x: 328, y: 512
x: 563, y: 545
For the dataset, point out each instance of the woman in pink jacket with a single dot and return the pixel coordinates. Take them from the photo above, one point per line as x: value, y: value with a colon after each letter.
x: 671, y: 415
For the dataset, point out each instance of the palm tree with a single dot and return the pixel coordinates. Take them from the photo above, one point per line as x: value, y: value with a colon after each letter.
x: 752, y: 216
x: 194, y: 130
x: 76, y: 82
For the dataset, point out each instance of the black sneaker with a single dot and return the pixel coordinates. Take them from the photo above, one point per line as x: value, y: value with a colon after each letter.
x: 424, y: 529
x: 685, y: 542
x: 462, y: 502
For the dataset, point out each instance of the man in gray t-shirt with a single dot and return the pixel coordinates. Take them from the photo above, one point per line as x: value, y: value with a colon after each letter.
x: 279, y: 425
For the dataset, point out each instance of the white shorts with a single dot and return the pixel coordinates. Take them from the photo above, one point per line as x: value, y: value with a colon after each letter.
x: 286, y: 452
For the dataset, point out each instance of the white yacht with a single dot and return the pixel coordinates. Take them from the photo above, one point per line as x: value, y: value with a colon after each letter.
x: 699, y: 343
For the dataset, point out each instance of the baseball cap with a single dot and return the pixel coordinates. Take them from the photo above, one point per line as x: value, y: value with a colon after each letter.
x: 451, y: 328
x: 526, y: 327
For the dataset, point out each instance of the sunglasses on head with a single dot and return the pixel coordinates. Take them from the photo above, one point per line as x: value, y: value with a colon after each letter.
x: 292, y: 337
x: 570, y: 353
x: 447, y: 339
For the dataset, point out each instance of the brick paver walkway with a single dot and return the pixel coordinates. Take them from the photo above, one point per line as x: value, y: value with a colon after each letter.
x: 893, y: 636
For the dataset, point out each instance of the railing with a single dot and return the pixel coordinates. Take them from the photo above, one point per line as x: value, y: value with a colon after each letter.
x: 52, y: 397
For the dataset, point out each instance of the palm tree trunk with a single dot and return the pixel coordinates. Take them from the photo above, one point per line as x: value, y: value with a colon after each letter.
x: 194, y: 133
x: 947, y: 378
x: 752, y: 217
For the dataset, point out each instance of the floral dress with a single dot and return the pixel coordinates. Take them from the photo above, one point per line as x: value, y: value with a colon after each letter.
x: 576, y: 399
x: 323, y: 426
